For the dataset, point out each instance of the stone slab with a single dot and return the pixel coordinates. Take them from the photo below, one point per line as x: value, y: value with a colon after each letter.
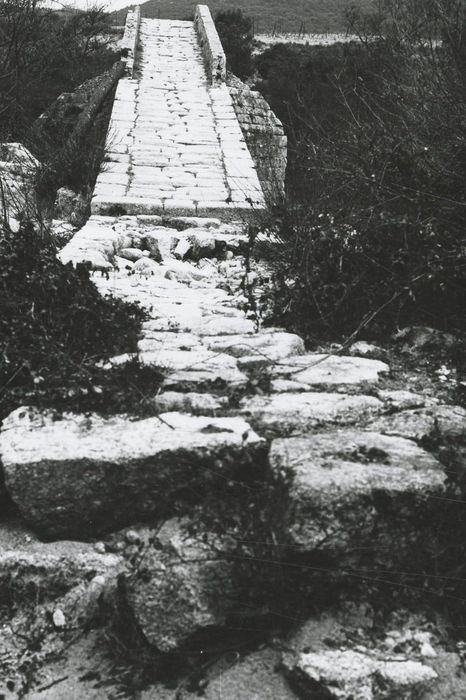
x: 78, y: 475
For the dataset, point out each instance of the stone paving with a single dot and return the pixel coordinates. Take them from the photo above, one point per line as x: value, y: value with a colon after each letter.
x: 174, y: 143
x: 250, y: 436
x: 239, y: 406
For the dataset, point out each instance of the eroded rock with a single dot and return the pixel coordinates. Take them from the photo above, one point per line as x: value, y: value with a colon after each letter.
x: 31, y: 567
x: 190, y: 402
x: 282, y: 414
x: 339, y: 675
x: 265, y: 347
x: 75, y: 475
x: 353, y: 492
x: 430, y: 423
x: 182, y: 585
x: 311, y: 370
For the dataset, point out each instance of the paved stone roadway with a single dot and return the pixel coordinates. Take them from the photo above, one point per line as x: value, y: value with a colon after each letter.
x: 174, y: 142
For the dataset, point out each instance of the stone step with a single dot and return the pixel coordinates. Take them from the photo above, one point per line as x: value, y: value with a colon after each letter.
x: 360, y: 497
x: 78, y: 475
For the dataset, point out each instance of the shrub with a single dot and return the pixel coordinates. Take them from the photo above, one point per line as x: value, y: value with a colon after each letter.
x: 45, y: 54
x: 374, y: 232
x: 235, y: 32
x: 55, y: 327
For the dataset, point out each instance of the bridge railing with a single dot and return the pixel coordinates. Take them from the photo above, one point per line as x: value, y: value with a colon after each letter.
x: 210, y: 44
x: 129, y: 42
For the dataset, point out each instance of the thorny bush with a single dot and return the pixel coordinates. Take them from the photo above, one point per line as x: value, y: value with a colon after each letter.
x: 55, y: 327
x: 373, y: 233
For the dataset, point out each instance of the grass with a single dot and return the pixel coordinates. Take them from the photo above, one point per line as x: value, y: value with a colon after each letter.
x: 268, y: 15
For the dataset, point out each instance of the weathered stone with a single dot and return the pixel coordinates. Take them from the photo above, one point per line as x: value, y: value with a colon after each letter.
x: 402, y: 400
x: 363, y: 349
x: 333, y: 628
x: 321, y: 370
x: 339, y: 675
x: 184, y: 222
x: 183, y: 585
x: 133, y: 254
x: 182, y: 248
x: 451, y: 682
x: 52, y: 568
x: 202, y: 243
x: 287, y: 413
x: 77, y: 475
x: 190, y: 271
x: 191, y: 402
x: 433, y: 422
x: 226, y: 325
x: 154, y: 341
x: 65, y: 203
x: 351, y: 489
x: 194, y: 371
x: 264, y: 135
x: 160, y: 242
x: 267, y: 346
x: 147, y: 266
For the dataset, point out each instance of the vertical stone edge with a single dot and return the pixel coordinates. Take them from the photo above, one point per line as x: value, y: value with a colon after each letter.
x: 211, y: 47
x: 264, y: 136
x: 130, y: 38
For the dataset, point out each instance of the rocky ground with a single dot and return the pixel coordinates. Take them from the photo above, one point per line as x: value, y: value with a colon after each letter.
x: 286, y: 524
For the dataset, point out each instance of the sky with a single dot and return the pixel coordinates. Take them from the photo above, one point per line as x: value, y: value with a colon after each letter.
x: 108, y: 5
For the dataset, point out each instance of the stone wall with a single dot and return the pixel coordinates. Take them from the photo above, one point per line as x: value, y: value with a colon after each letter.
x: 129, y: 42
x: 264, y: 135
x: 210, y: 44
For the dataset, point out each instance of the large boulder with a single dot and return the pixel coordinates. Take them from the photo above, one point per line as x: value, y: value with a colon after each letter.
x: 77, y: 475
x: 340, y: 675
x: 359, y: 496
x: 182, y: 585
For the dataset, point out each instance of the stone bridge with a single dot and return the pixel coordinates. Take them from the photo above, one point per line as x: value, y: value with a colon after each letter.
x: 272, y: 495
x: 175, y: 145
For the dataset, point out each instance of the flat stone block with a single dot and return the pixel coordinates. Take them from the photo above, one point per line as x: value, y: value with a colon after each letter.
x: 109, y: 472
x: 286, y: 413
x: 350, y: 488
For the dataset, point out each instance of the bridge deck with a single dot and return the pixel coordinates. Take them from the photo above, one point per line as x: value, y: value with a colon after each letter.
x: 174, y: 142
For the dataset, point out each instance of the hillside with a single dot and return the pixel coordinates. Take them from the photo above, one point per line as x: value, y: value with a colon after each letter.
x: 291, y: 16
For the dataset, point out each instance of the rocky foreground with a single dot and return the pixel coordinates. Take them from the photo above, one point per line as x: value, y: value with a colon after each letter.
x: 281, y: 527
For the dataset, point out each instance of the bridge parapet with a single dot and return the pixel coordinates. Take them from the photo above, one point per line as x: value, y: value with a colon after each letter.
x: 129, y: 42
x: 211, y: 46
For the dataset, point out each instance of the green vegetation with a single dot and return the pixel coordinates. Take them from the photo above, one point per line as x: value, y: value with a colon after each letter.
x: 372, y: 235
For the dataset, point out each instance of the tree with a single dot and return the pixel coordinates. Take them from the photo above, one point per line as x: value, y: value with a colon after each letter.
x: 43, y: 54
x: 235, y: 32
